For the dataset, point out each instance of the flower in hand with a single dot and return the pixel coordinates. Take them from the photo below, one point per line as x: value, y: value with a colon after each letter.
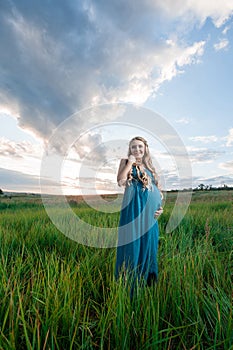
x: 131, y: 159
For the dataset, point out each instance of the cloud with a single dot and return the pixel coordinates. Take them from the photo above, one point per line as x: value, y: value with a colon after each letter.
x: 12, y: 180
x: 176, y: 58
x: 60, y: 57
x: 229, y: 138
x: 213, y: 138
x: 193, y: 10
x: 16, y: 181
x: 90, y: 148
x: 227, y: 165
x: 183, y: 121
x: 203, y: 155
x: 63, y: 56
x: 214, y: 180
x: 22, y: 149
x: 23, y: 156
x: 204, y: 139
x: 222, y: 44
x: 226, y: 29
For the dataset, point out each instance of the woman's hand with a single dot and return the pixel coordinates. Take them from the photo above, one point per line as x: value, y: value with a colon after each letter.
x: 158, y: 212
x: 132, y: 159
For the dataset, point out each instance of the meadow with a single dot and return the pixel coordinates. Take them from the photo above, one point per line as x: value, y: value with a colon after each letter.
x: 58, y: 294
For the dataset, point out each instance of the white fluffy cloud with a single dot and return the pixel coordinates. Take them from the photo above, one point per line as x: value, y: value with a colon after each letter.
x: 218, y: 10
x: 222, y: 44
x: 183, y: 121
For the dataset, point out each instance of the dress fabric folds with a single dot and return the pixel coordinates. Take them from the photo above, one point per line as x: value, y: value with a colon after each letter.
x: 138, y: 231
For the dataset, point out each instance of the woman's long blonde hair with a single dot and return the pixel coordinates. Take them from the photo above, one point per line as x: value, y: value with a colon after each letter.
x: 146, y: 158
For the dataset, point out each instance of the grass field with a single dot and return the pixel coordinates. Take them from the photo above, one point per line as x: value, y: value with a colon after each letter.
x: 58, y: 294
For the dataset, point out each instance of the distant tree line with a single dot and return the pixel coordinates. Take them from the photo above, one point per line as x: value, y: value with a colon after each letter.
x: 203, y: 187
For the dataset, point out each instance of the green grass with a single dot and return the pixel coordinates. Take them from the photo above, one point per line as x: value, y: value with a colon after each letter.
x: 58, y: 294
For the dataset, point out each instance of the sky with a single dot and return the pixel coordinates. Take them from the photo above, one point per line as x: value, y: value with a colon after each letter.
x: 60, y: 58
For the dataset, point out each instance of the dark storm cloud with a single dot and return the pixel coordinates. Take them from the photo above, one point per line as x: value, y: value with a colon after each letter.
x: 60, y: 56
x: 42, y: 67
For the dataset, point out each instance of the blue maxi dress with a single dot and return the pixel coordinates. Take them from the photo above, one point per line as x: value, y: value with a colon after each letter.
x: 138, y: 231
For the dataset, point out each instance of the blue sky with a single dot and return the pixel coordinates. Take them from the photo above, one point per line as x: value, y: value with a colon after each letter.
x: 57, y: 58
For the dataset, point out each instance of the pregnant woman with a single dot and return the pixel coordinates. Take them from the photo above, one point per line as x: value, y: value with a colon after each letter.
x: 138, y: 231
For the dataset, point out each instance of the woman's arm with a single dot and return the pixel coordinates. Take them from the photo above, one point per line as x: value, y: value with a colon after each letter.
x: 158, y: 212
x: 124, y: 168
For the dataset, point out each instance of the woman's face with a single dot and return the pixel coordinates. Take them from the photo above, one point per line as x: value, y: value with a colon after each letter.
x: 137, y: 148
